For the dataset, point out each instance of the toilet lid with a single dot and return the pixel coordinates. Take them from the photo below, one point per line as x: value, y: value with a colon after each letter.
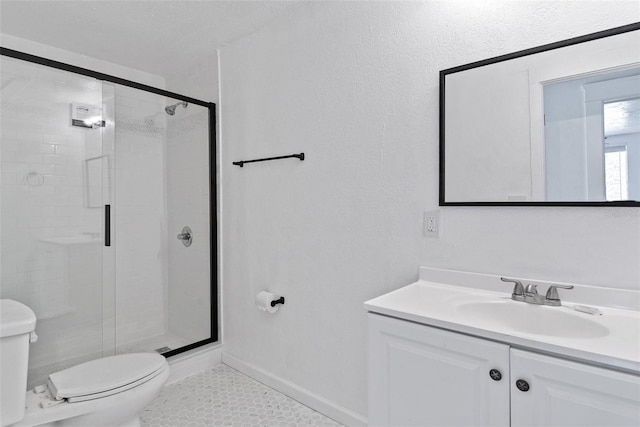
x: 104, y: 376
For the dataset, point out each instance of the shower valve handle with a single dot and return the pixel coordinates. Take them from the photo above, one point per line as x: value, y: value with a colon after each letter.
x: 186, y: 236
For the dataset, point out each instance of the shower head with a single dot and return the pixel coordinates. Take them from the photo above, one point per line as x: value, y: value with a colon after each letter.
x: 171, y: 109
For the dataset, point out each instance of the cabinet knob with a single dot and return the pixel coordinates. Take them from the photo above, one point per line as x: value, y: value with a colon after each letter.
x: 522, y: 385
x: 495, y: 375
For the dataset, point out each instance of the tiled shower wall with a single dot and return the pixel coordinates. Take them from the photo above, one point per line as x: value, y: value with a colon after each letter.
x: 188, y: 204
x: 52, y: 255
x: 47, y: 230
x: 140, y: 213
x: 188, y: 200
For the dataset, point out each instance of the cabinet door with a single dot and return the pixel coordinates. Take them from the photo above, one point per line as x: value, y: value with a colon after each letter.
x: 564, y: 393
x: 423, y: 376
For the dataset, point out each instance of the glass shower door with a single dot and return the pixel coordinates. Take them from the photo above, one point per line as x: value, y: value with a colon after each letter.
x: 107, y: 213
x: 161, y: 180
x: 52, y: 209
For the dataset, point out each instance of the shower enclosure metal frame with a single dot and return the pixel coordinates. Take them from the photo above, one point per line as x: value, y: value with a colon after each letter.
x: 212, y: 169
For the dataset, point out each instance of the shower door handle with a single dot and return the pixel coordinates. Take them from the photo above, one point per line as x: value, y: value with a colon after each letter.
x: 107, y: 225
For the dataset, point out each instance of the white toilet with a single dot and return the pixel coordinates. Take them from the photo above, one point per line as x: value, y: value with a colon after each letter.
x: 109, y: 392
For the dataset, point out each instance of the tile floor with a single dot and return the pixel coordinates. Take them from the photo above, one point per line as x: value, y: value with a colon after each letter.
x: 222, y: 396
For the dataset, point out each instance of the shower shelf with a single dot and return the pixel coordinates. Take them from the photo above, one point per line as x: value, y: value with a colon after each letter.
x: 54, y: 313
x: 70, y: 240
x: 242, y: 162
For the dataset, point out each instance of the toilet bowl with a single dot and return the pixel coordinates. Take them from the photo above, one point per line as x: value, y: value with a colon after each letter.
x: 109, y: 392
x: 106, y: 392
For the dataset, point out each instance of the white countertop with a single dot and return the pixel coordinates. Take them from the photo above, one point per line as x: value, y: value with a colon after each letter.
x: 611, y: 339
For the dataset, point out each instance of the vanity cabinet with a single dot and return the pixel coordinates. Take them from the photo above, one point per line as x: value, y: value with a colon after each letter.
x: 425, y: 376
x: 566, y: 393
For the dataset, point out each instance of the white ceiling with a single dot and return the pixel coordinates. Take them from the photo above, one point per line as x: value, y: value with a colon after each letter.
x: 622, y: 117
x: 156, y: 36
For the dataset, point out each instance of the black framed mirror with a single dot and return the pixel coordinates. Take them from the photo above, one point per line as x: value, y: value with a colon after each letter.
x: 554, y: 125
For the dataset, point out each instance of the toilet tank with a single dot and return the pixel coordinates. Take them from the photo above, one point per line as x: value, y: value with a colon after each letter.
x: 17, y: 323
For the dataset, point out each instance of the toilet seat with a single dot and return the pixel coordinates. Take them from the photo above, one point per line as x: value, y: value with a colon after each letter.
x: 104, y: 377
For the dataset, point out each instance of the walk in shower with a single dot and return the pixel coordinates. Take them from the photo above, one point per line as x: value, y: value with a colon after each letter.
x: 107, y: 213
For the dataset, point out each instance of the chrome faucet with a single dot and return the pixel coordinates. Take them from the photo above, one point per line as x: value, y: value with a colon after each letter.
x: 530, y: 294
x: 518, y: 289
x: 552, y: 297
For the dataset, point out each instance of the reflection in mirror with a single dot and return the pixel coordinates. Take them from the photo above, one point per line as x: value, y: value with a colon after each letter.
x: 592, y: 137
x: 622, y: 143
x: 555, y: 125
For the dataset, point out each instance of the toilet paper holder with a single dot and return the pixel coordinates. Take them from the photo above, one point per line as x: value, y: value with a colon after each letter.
x: 277, y: 301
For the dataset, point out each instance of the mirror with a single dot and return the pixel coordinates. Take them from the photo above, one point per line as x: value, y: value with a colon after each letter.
x: 554, y: 125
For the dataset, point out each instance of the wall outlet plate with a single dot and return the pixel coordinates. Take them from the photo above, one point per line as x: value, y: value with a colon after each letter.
x: 432, y: 223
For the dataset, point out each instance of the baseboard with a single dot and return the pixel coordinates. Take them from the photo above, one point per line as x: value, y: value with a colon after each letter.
x: 304, y: 396
x: 194, y: 361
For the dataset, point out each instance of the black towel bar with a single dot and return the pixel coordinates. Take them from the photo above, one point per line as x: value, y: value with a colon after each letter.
x: 242, y: 162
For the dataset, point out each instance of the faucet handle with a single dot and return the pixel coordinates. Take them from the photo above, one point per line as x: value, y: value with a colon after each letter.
x: 518, y: 289
x: 552, y: 294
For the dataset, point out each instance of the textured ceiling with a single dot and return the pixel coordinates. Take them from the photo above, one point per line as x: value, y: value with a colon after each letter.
x: 622, y: 117
x: 159, y: 37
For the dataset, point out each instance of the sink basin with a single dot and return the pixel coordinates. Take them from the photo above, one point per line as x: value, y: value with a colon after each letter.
x: 610, y: 339
x: 534, y: 319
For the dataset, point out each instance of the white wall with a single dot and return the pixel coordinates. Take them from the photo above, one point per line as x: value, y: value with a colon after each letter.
x: 199, y: 81
x: 488, y: 155
x: 355, y: 86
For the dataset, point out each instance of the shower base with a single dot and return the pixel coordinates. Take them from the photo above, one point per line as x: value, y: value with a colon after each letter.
x: 151, y: 344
